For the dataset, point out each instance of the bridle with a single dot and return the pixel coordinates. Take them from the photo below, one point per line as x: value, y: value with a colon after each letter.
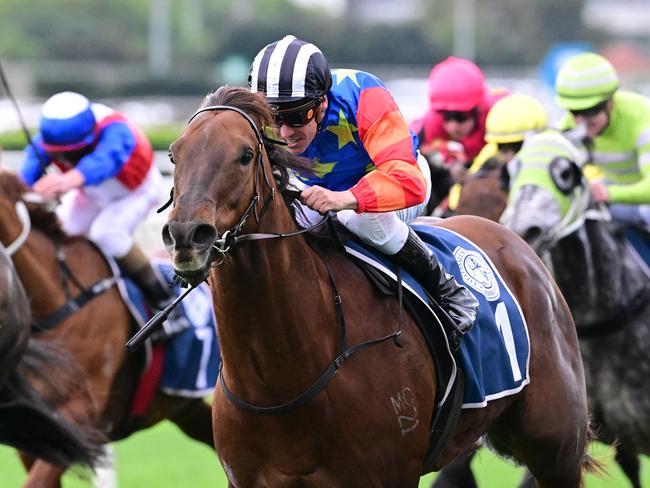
x: 578, y: 213
x: 232, y: 237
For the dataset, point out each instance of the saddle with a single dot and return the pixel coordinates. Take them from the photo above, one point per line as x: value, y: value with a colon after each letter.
x: 438, y: 329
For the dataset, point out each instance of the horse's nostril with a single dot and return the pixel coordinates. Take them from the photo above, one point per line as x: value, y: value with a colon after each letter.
x: 168, y: 239
x: 532, y: 234
x: 193, y: 235
x: 204, y: 235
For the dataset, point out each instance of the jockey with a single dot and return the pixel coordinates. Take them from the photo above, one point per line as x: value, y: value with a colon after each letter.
x: 107, y: 181
x: 454, y: 126
x: 510, y: 120
x: 366, y: 164
x: 618, y: 128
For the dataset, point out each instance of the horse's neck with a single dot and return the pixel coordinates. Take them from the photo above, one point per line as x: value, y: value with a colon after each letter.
x: 14, y: 317
x: 275, y: 312
x: 596, y: 273
x: 35, y: 263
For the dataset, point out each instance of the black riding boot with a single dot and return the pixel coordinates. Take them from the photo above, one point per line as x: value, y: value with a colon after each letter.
x: 457, y: 300
x: 159, y: 296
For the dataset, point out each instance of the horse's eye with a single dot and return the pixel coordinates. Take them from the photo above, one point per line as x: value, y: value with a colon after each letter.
x: 247, y: 157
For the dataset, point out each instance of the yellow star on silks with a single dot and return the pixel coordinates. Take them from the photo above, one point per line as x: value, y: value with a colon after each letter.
x: 342, y: 74
x: 370, y: 167
x: 321, y: 169
x: 343, y: 130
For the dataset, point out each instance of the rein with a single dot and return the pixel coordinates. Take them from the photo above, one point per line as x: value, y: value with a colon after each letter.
x: 575, y: 218
x: 23, y: 216
x: 579, y: 213
x: 232, y: 237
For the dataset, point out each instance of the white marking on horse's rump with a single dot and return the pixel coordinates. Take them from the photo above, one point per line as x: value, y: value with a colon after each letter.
x: 405, y: 409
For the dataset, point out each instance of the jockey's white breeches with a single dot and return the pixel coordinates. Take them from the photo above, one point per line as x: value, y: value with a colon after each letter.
x: 385, y: 231
x: 109, y: 213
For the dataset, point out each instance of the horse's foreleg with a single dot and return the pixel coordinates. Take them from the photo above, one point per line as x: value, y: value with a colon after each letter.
x: 195, y: 420
x: 44, y: 475
x: 192, y: 415
x: 457, y: 474
x: 629, y: 463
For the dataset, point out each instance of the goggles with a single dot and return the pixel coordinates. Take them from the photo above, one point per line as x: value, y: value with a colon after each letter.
x: 296, y: 116
x: 70, y: 156
x: 456, y: 115
x: 590, y: 112
x: 510, y: 146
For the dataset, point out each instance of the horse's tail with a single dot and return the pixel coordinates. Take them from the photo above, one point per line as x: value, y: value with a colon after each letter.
x: 589, y: 463
x: 28, y: 421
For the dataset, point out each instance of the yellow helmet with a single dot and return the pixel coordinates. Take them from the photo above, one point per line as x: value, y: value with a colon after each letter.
x: 513, y: 117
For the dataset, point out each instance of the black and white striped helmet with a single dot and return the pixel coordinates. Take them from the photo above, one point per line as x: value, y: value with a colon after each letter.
x: 290, y: 70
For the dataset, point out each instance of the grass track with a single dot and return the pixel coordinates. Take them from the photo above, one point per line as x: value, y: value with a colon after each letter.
x: 162, y: 457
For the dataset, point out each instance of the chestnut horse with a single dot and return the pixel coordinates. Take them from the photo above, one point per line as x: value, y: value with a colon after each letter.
x: 26, y: 421
x: 53, y: 266
x: 485, y: 193
x: 281, y: 415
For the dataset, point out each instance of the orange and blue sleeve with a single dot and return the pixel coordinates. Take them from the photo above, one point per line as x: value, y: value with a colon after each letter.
x: 398, y: 182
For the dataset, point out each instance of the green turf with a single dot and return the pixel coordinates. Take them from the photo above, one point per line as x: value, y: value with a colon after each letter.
x: 163, y: 457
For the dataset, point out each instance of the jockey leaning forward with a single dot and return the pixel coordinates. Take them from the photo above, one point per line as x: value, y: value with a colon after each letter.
x: 107, y: 182
x: 618, y: 131
x: 366, y: 164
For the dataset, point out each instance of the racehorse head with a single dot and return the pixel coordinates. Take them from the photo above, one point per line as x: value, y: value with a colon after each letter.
x: 548, y: 197
x: 223, y: 180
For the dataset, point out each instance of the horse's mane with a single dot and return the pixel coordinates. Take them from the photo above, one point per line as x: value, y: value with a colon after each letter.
x: 42, y: 218
x: 255, y: 105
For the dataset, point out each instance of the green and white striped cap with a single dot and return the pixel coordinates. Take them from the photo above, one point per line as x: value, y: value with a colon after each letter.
x: 584, y: 81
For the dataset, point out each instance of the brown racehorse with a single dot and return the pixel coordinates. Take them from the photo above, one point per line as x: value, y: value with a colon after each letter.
x: 485, y: 193
x: 26, y: 420
x: 279, y: 332
x: 95, y: 335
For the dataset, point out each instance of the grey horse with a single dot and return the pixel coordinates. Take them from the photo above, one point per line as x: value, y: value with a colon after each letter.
x: 604, y: 281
